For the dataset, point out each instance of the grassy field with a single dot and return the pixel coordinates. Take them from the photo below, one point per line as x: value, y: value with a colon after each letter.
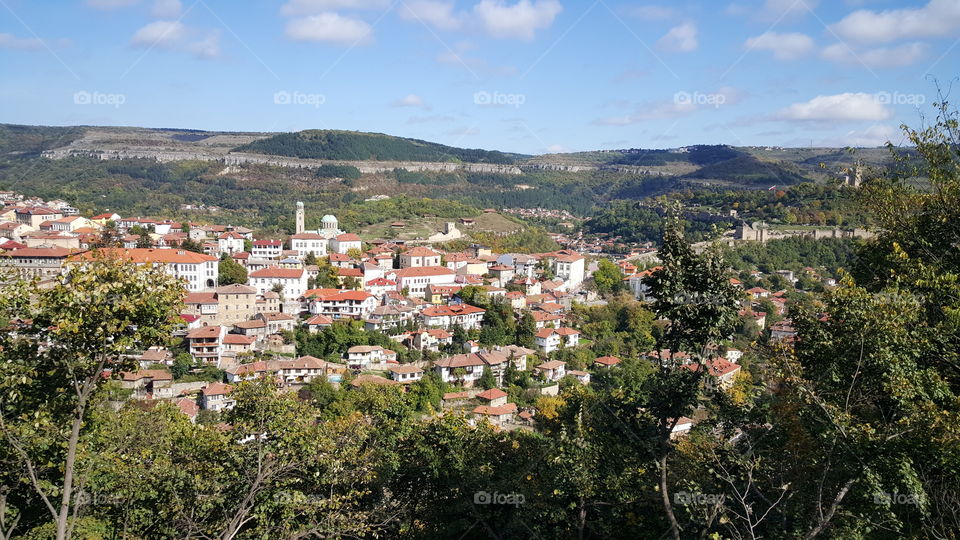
x: 422, y: 228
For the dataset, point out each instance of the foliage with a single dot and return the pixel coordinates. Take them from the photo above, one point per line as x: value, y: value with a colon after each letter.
x: 230, y: 272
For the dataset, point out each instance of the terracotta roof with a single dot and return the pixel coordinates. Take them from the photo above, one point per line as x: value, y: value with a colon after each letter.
x: 53, y: 252
x: 406, y: 368
x: 492, y: 394
x: 267, y: 243
x: 319, y: 320
x: 607, y: 360
x: 421, y: 251
x: 307, y: 236
x: 344, y: 296
x: 347, y: 237
x: 371, y: 379
x: 188, y: 407
x: 456, y: 395
x: 216, y: 389
x: 421, y: 271
x: 151, y: 255
x: 552, y: 364
x: 486, y: 410
x: 275, y: 272
x: 204, y: 332
x: 361, y: 349
x: 237, y: 339
x: 716, y: 367
x: 452, y: 310
x: 155, y: 374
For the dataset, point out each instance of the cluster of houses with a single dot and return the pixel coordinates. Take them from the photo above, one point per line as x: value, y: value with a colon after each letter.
x: 414, y: 294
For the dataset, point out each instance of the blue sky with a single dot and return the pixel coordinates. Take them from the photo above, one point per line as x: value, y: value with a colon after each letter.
x: 528, y: 76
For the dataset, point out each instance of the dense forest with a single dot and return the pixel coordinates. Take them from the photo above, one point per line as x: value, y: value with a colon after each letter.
x: 358, y: 146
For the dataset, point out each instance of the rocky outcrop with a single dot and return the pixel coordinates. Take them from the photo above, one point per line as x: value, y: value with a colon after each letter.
x: 233, y: 159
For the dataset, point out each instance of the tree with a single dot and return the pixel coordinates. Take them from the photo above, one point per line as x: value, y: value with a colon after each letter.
x: 230, y: 272
x: 55, y: 351
x: 109, y: 236
x: 608, y: 278
x: 526, y: 330
x: 279, y: 289
x: 487, y: 380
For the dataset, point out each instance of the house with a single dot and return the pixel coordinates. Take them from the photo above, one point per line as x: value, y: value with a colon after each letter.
x: 416, y: 280
x: 543, y: 319
x: 551, y: 339
x: 33, y: 216
x: 199, y: 271
x: 148, y: 383
x: 238, y: 344
x: 304, y: 243
x: 277, y: 322
x: 496, y: 415
x: 188, y: 407
x: 759, y: 318
x: 406, y: 373
x: 554, y: 370
x: 721, y: 372
x: 569, y: 266
x: 606, y: 361
x: 782, y: 330
x: 681, y: 428
x: 317, y: 323
x: 230, y: 242
x: 379, y: 286
x: 206, y: 343
x: 430, y: 340
x: 386, y: 318
x: 463, y: 368
x: 418, y: 257
x: 464, y: 315
x: 29, y: 263
x: 343, y: 243
x: 288, y: 371
x: 216, y: 397
x: 493, y: 397
x: 266, y: 249
x: 582, y: 376
x: 293, y: 281
x: 361, y: 356
x: 758, y: 292
x: 343, y: 304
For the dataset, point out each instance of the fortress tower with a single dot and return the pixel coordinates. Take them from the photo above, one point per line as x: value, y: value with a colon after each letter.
x: 299, y: 217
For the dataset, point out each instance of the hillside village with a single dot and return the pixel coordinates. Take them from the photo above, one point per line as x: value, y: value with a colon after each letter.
x: 434, y: 314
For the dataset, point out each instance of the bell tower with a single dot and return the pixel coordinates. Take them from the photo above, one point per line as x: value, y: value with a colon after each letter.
x: 299, y: 217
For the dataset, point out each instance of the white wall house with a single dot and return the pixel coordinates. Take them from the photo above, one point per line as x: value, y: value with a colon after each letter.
x: 343, y: 243
x: 266, y: 249
x: 294, y: 281
x: 416, y: 280
x: 304, y: 243
x: 199, y: 271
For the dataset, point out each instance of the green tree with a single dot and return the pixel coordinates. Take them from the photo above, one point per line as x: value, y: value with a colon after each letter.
x: 230, y: 272
x: 608, y: 278
x: 54, y: 360
x: 487, y: 380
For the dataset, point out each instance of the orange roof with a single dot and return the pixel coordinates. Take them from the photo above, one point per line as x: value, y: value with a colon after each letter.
x: 421, y: 251
x: 340, y: 296
x: 607, y: 360
x: 420, y: 271
x: 277, y: 272
x: 508, y: 408
x: 347, y: 237
x: 204, y: 332
x: 237, y: 339
x: 216, y: 389
x: 451, y: 311
x: 492, y: 394
x: 151, y: 255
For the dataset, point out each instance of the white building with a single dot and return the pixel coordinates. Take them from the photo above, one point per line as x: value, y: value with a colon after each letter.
x: 198, y: 270
x: 464, y: 315
x: 266, y: 249
x: 342, y: 243
x: 343, y: 304
x: 416, y: 280
x: 304, y: 243
x: 294, y: 281
x: 230, y: 242
x: 418, y: 257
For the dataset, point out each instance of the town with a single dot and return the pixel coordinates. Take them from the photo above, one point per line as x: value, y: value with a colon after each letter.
x: 437, y: 309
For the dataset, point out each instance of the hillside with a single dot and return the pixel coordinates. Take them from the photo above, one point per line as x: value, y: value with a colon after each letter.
x: 358, y: 146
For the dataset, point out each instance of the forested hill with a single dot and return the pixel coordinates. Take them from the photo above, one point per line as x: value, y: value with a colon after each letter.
x: 358, y: 146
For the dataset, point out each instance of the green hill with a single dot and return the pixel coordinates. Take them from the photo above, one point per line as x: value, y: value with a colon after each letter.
x: 358, y: 146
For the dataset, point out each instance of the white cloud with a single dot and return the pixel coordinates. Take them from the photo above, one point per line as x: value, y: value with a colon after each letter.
x: 937, y: 18
x: 110, y: 4
x: 164, y: 34
x: 883, y: 57
x: 788, y: 46
x: 839, y: 107
x: 10, y: 41
x: 331, y: 28
x: 208, y: 47
x: 557, y: 149
x: 166, y: 9
x: 652, y: 12
x: 438, y: 14
x: 410, y: 100
x: 463, y: 131
x: 682, y: 104
x: 175, y: 36
x: 317, y: 7
x: 680, y: 38
x: 520, y: 20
